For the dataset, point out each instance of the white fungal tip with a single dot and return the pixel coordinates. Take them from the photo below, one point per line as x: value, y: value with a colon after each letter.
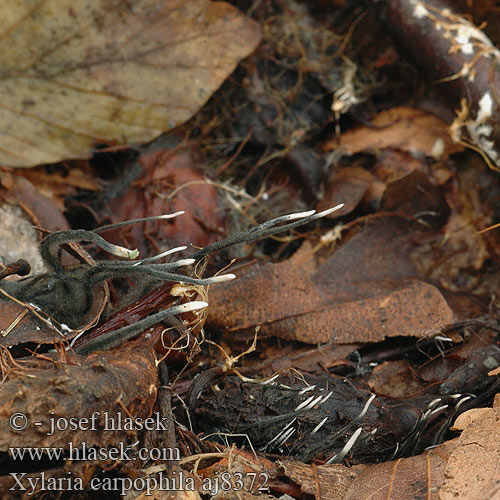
x: 329, y: 211
x: 171, y: 216
x: 172, y: 250
x: 184, y: 262
x: 124, y: 252
x: 420, y: 11
x: 222, y: 278
x: 298, y: 215
x: 193, y: 306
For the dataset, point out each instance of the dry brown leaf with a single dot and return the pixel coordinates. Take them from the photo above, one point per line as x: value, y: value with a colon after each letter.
x: 404, y: 129
x: 395, y: 379
x: 75, y: 73
x: 347, y: 186
x: 328, y: 482
x: 414, y: 477
x: 412, y: 309
x: 169, y: 182
x: 473, y: 469
x: 365, y: 292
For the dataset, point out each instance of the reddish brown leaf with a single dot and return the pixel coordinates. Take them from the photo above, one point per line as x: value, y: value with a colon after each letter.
x: 363, y: 293
x: 169, y: 183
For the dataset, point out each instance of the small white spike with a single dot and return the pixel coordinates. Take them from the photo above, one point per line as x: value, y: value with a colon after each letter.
x: 329, y: 211
x: 304, y: 403
x: 298, y: 215
x: 318, y: 427
x: 347, y: 448
x: 437, y: 410
x: 192, y: 306
x: 222, y: 278
x: 123, y: 252
x: 307, y: 389
x: 184, y: 262
x: 171, y: 216
x: 161, y: 255
x: 367, y: 405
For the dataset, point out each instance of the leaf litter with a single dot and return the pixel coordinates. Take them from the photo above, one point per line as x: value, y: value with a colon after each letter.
x: 346, y: 349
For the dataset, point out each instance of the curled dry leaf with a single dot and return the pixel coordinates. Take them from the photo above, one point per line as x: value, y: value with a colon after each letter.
x: 473, y: 469
x: 77, y: 73
x: 404, y: 129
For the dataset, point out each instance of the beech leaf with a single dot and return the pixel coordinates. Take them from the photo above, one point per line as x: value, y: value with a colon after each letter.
x: 76, y: 73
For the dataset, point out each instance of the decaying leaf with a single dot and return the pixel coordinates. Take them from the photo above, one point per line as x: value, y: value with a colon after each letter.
x: 414, y: 477
x: 331, y: 482
x: 169, y: 182
x: 102, y: 381
x: 405, y: 129
x: 77, y: 73
x: 473, y: 470
x: 365, y: 292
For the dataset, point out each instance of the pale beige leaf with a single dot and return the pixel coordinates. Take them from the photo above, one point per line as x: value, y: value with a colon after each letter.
x: 473, y: 470
x: 74, y: 73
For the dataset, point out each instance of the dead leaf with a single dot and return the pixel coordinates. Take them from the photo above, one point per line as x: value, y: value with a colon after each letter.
x: 347, y: 186
x: 412, y: 309
x: 395, y: 379
x: 169, y: 183
x: 415, y: 196
x: 326, y: 482
x: 77, y: 73
x: 414, y: 477
x: 473, y: 469
x: 363, y: 293
x: 401, y: 128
